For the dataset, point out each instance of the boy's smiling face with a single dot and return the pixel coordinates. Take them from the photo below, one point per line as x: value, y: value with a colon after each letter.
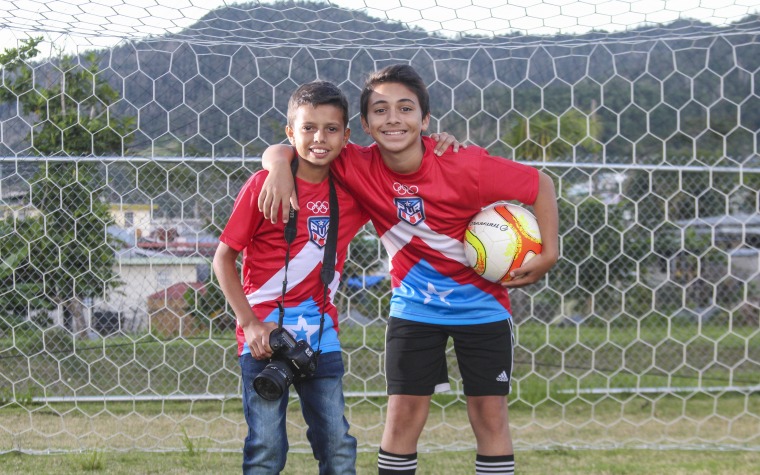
x: 394, y: 119
x: 318, y: 133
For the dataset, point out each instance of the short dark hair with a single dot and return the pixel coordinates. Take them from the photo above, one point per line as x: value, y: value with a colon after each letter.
x: 318, y: 93
x: 398, y: 73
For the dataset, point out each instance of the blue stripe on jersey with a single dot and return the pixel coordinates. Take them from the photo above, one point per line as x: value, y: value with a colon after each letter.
x: 303, y: 323
x: 425, y: 295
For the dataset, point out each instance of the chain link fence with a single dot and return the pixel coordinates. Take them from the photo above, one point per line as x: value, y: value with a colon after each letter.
x: 120, y: 165
x: 645, y: 313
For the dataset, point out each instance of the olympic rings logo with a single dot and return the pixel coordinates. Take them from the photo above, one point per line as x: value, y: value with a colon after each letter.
x: 404, y: 189
x: 318, y: 207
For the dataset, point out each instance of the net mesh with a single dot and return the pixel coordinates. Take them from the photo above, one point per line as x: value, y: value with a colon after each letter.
x: 127, y: 128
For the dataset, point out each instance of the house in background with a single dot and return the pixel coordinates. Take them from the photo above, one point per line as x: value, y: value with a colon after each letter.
x: 153, y: 255
x: 133, y: 218
x: 160, y: 259
x: 169, y: 313
x: 738, y: 234
x: 137, y: 224
x: 144, y: 273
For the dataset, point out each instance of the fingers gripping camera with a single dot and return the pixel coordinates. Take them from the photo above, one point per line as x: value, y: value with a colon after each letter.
x: 291, y: 361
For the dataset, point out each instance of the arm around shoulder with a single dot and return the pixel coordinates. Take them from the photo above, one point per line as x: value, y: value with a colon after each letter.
x: 278, y: 188
x: 277, y: 156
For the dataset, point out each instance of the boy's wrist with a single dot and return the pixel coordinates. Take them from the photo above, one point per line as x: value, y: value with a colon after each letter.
x: 250, y: 323
x: 550, y: 253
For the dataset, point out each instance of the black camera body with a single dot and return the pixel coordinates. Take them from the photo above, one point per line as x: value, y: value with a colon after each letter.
x: 291, y: 361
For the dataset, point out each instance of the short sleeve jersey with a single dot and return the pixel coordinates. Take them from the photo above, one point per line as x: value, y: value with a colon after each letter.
x: 421, y: 219
x: 263, y: 246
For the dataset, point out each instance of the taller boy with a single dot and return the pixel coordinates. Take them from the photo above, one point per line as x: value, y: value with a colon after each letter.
x: 420, y: 205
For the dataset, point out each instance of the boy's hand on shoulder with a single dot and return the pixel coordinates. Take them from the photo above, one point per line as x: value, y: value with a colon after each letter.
x: 277, y: 192
x: 531, y: 271
x: 445, y: 140
x: 257, y: 337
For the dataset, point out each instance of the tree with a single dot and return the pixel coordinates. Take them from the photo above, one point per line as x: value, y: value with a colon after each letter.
x: 547, y: 136
x: 64, y: 255
x: 20, y: 284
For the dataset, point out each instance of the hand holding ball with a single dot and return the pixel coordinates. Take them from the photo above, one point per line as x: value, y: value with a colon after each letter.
x: 500, y: 238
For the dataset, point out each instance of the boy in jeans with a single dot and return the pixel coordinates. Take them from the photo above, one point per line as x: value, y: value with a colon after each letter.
x: 420, y: 204
x: 317, y: 130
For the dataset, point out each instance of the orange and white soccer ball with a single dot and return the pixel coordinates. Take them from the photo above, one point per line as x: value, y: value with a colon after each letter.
x: 500, y: 238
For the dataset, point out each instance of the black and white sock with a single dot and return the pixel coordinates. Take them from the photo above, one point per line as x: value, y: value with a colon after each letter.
x: 395, y: 464
x: 495, y: 465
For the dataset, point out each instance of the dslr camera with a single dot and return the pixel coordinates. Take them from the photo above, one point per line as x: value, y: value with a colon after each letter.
x: 291, y: 361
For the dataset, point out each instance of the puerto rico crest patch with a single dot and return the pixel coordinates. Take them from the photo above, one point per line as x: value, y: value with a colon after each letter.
x: 318, y: 226
x: 411, y: 210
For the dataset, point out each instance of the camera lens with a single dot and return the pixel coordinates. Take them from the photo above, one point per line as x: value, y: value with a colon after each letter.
x: 272, y: 382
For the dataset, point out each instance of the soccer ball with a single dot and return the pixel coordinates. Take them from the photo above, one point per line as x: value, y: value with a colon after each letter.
x: 500, y: 238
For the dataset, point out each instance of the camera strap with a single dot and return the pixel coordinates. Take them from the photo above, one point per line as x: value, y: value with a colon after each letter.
x: 330, y: 254
x: 329, y: 257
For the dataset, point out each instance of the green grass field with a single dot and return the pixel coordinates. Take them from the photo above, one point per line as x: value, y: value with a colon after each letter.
x: 545, y: 462
x: 608, y: 422
x: 545, y: 412
x: 548, y: 359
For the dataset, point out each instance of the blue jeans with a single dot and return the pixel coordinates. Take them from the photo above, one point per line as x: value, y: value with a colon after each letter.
x: 266, y: 445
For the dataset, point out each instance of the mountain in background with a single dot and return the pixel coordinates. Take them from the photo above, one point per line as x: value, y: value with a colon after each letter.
x: 220, y: 88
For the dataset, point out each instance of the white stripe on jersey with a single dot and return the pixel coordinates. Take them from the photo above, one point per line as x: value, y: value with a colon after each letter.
x: 300, y: 266
x: 402, y: 233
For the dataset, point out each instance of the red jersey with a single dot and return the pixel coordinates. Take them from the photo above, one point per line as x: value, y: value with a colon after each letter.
x: 421, y: 218
x: 263, y: 246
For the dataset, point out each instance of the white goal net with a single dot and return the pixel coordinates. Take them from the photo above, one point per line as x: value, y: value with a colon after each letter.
x: 128, y: 126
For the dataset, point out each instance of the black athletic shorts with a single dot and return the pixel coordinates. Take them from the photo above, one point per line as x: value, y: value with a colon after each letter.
x: 415, y: 357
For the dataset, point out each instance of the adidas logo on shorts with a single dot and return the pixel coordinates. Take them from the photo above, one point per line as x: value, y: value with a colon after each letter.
x: 502, y: 378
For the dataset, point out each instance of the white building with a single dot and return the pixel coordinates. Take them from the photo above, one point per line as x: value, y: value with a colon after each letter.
x: 143, y: 273
x: 134, y: 218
